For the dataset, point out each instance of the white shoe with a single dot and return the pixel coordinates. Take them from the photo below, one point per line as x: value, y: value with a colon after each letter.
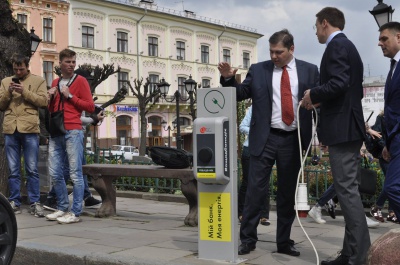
x: 68, y: 218
x: 315, y: 213
x: 371, y: 223
x: 55, y: 215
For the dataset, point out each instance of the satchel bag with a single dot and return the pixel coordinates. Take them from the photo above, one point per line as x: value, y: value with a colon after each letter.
x: 56, y: 120
x: 368, y: 178
x: 171, y: 157
x: 374, y: 145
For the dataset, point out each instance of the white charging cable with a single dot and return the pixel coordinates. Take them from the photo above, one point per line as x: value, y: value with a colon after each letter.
x: 301, y: 172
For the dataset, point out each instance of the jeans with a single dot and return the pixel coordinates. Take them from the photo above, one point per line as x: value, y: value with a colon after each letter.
x: 68, y: 146
x: 382, y: 196
x: 328, y: 194
x: 86, y: 191
x: 30, y: 148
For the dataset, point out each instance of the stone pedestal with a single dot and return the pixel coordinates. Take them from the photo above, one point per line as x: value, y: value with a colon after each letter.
x: 385, y: 250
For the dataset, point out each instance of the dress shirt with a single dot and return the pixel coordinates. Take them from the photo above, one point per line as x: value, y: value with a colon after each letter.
x: 244, y: 126
x: 276, y: 119
x: 397, y: 58
x: 333, y: 34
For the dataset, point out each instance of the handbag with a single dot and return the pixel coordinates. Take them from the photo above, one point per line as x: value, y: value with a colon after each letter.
x: 368, y: 179
x: 56, y: 121
x: 171, y: 157
x: 374, y: 145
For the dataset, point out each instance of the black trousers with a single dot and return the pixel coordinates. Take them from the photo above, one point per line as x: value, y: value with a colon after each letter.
x: 264, y: 207
x: 281, y: 148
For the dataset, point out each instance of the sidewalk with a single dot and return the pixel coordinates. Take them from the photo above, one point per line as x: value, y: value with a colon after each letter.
x: 149, y: 232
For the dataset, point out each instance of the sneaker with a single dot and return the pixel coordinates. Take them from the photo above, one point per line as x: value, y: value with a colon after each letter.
x: 371, y: 223
x: 15, y: 208
x: 36, y: 209
x: 392, y: 218
x: 92, y: 202
x: 377, y: 214
x: 315, y: 213
x: 265, y: 221
x: 55, y: 215
x: 50, y: 204
x: 68, y: 218
x: 330, y: 207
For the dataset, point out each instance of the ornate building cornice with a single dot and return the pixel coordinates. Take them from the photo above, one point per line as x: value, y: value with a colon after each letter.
x: 89, y: 55
x: 88, y: 14
x: 205, y: 37
x: 122, y: 21
x: 181, y: 67
x: 154, y: 27
x: 206, y: 70
x: 123, y: 60
x: 179, y: 31
x: 154, y: 64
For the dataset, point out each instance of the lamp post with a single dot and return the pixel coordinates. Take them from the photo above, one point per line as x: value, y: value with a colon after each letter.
x: 169, y: 129
x: 163, y: 88
x: 382, y: 13
x: 35, y: 40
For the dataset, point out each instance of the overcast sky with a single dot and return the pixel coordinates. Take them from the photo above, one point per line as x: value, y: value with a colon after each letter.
x: 298, y: 16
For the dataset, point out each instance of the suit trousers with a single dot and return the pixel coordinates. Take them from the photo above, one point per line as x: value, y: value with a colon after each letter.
x: 281, y: 148
x: 392, y: 179
x: 344, y: 159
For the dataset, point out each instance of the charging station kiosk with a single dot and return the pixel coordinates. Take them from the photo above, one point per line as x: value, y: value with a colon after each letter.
x: 215, y: 168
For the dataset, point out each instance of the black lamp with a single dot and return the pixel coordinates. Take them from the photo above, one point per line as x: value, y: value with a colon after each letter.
x: 382, y: 13
x: 35, y: 40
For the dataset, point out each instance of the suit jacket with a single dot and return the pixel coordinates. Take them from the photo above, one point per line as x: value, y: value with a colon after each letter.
x: 392, y: 110
x: 258, y: 86
x: 340, y: 93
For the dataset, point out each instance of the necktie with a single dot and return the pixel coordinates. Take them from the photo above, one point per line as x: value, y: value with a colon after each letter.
x: 286, y: 98
x: 389, y: 78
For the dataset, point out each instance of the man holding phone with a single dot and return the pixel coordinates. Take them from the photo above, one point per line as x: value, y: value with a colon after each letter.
x: 21, y: 96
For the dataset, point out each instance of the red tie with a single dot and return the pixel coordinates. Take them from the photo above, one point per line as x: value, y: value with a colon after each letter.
x: 286, y: 98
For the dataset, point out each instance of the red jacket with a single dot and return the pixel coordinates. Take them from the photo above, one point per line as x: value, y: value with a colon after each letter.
x: 81, y: 101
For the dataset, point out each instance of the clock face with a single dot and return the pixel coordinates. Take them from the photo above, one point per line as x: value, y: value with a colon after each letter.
x: 214, y: 101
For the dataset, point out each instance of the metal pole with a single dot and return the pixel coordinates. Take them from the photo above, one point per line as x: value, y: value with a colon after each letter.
x: 178, y: 125
x: 169, y: 136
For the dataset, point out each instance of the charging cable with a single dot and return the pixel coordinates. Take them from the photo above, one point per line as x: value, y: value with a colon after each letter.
x: 303, y: 197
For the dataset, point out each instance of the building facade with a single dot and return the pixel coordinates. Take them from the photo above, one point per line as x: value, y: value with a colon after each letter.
x: 49, y: 18
x: 148, y: 41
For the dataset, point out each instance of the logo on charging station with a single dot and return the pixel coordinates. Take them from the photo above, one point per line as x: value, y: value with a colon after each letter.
x: 214, y: 101
x: 204, y: 129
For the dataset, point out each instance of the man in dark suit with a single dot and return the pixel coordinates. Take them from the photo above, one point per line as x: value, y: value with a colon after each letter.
x: 273, y: 134
x: 342, y: 127
x: 389, y: 41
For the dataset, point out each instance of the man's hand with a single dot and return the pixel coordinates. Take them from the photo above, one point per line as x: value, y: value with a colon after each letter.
x: 226, y: 70
x: 385, y: 154
x: 306, y: 100
x: 51, y: 93
x: 100, y: 116
x: 374, y: 133
x: 17, y: 87
x: 65, y: 91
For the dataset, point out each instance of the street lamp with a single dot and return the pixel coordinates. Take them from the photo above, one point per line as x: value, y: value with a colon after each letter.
x: 382, y: 13
x: 35, y: 40
x: 163, y: 88
x: 169, y: 129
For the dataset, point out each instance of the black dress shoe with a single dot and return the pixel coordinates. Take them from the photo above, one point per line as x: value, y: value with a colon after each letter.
x: 246, y: 248
x: 340, y: 260
x: 289, y: 250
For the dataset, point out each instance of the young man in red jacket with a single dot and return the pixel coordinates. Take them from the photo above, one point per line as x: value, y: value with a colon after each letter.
x: 73, y: 92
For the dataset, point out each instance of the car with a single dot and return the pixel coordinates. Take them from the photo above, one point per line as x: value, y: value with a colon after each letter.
x: 121, y: 150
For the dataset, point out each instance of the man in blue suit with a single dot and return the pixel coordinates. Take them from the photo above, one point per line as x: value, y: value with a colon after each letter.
x: 389, y: 41
x: 273, y: 134
x: 342, y: 127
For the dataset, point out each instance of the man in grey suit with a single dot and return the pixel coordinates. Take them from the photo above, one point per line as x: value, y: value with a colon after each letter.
x: 275, y: 87
x: 342, y: 127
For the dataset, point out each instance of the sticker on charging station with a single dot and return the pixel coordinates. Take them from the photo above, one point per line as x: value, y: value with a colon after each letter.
x: 215, y: 216
x: 206, y: 173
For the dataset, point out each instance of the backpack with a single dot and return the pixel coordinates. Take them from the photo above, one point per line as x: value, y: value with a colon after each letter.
x: 171, y: 157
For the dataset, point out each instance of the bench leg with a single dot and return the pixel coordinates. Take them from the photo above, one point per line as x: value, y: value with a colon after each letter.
x: 189, y: 189
x: 108, y: 196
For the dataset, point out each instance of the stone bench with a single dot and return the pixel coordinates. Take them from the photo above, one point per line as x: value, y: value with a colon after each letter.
x: 102, y: 176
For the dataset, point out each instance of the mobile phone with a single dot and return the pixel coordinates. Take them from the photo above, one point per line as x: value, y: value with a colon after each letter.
x: 15, y: 80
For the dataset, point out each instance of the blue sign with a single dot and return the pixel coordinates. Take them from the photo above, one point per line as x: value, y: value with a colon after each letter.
x: 127, y: 108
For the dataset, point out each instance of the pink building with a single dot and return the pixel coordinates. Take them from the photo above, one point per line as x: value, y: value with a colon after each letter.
x: 49, y: 18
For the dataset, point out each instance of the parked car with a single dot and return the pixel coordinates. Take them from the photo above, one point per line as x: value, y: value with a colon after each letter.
x: 8, y: 231
x: 121, y: 150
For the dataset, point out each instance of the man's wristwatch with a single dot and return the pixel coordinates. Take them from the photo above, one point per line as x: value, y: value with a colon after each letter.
x: 70, y: 96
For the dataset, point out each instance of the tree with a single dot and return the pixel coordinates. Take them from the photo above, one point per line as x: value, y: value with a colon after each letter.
x: 144, y: 96
x: 13, y: 39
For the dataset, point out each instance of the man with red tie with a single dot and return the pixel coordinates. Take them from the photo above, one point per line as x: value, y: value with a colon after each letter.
x: 275, y: 87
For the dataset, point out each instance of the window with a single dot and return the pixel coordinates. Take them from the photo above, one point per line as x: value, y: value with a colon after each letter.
x: 205, y: 83
x: 123, y: 77
x: 180, y: 50
x: 47, y: 29
x: 22, y: 19
x: 154, y: 80
x: 87, y: 37
x: 181, y: 87
x: 153, y: 46
x: 204, y: 54
x: 246, y: 60
x: 226, y: 56
x: 122, y: 41
x: 48, y: 72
